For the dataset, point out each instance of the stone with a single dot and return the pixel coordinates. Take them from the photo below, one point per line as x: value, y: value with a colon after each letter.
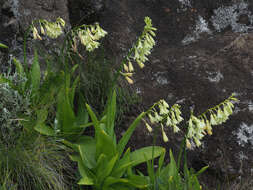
x: 17, y: 15
x: 221, y: 65
x: 199, y: 74
x: 28, y: 10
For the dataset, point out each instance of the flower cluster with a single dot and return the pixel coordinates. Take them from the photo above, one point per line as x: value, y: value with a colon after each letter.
x: 169, y: 116
x: 140, y: 50
x: 89, y: 36
x: 51, y: 29
x: 199, y: 126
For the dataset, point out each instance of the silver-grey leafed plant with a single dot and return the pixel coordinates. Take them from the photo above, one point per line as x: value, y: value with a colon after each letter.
x: 28, y: 161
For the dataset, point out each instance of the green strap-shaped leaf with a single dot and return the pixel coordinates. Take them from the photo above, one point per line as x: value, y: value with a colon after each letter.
x: 201, y: 171
x: 144, y: 154
x: 82, y: 114
x: 73, y: 91
x: 173, y: 170
x: 161, y: 160
x: 137, y: 181
x: 124, y: 140
x: 35, y: 73
x: 113, y: 180
x: 73, y: 69
x: 44, y: 129
x: 104, y: 145
x: 65, y: 114
x: 87, y: 150
x: 122, y: 165
x: 108, y: 167
x: 3, y: 46
x: 93, y: 118
x: 87, y: 178
x: 41, y: 115
x: 111, y: 112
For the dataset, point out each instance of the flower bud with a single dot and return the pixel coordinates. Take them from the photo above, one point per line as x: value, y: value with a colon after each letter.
x: 35, y: 32
x: 130, y: 66
x: 129, y: 80
x: 42, y: 30
x: 188, y: 144
x: 141, y: 65
x: 165, y: 138
x: 126, y: 68
x: 148, y: 127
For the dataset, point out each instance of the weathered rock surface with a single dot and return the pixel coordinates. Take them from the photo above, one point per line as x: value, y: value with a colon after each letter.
x: 17, y: 15
x: 85, y: 11
x: 198, y: 61
x: 199, y: 73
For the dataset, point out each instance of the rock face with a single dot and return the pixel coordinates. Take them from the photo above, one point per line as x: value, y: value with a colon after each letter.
x: 25, y: 11
x: 85, y: 11
x: 204, y: 54
x: 17, y: 15
x: 198, y: 62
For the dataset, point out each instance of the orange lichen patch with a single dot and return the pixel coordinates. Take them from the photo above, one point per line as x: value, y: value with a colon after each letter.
x: 193, y: 10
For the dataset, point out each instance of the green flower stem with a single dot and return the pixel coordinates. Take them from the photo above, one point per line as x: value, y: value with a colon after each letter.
x: 217, y: 106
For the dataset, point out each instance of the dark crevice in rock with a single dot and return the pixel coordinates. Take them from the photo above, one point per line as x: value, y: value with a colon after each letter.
x: 84, y: 11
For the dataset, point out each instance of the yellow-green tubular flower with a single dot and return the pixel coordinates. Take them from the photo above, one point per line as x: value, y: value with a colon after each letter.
x: 148, y: 127
x: 127, y: 77
x: 90, y: 35
x: 152, y: 119
x: 208, y: 128
x: 163, y: 109
x: 178, y: 113
x: 188, y: 144
x: 126, y: 68
x: 198, y: 126
x: 196, y: 129
x: 166, y: 116
x: 168, y: 122
x: 165, y: 138
x: 225, y: 110
x: 141, y: 65
x: 158, y: 118
x: 53, y: 30
x: 213, y: 119
x: 175, y: 129
x: 130, y: 66
x: 221, y: 116
x: 42, y: 29
x: 99, y: 32
x: 129, y: 80
x: 165, y: 104
x: 60, y: 21
x: 197, y: 141
x: 229, y: 107
x: 173, y: 118
x: 191, y: 130
x: 36, y: 34
x: 144, y: 44
x: 128, y: 74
